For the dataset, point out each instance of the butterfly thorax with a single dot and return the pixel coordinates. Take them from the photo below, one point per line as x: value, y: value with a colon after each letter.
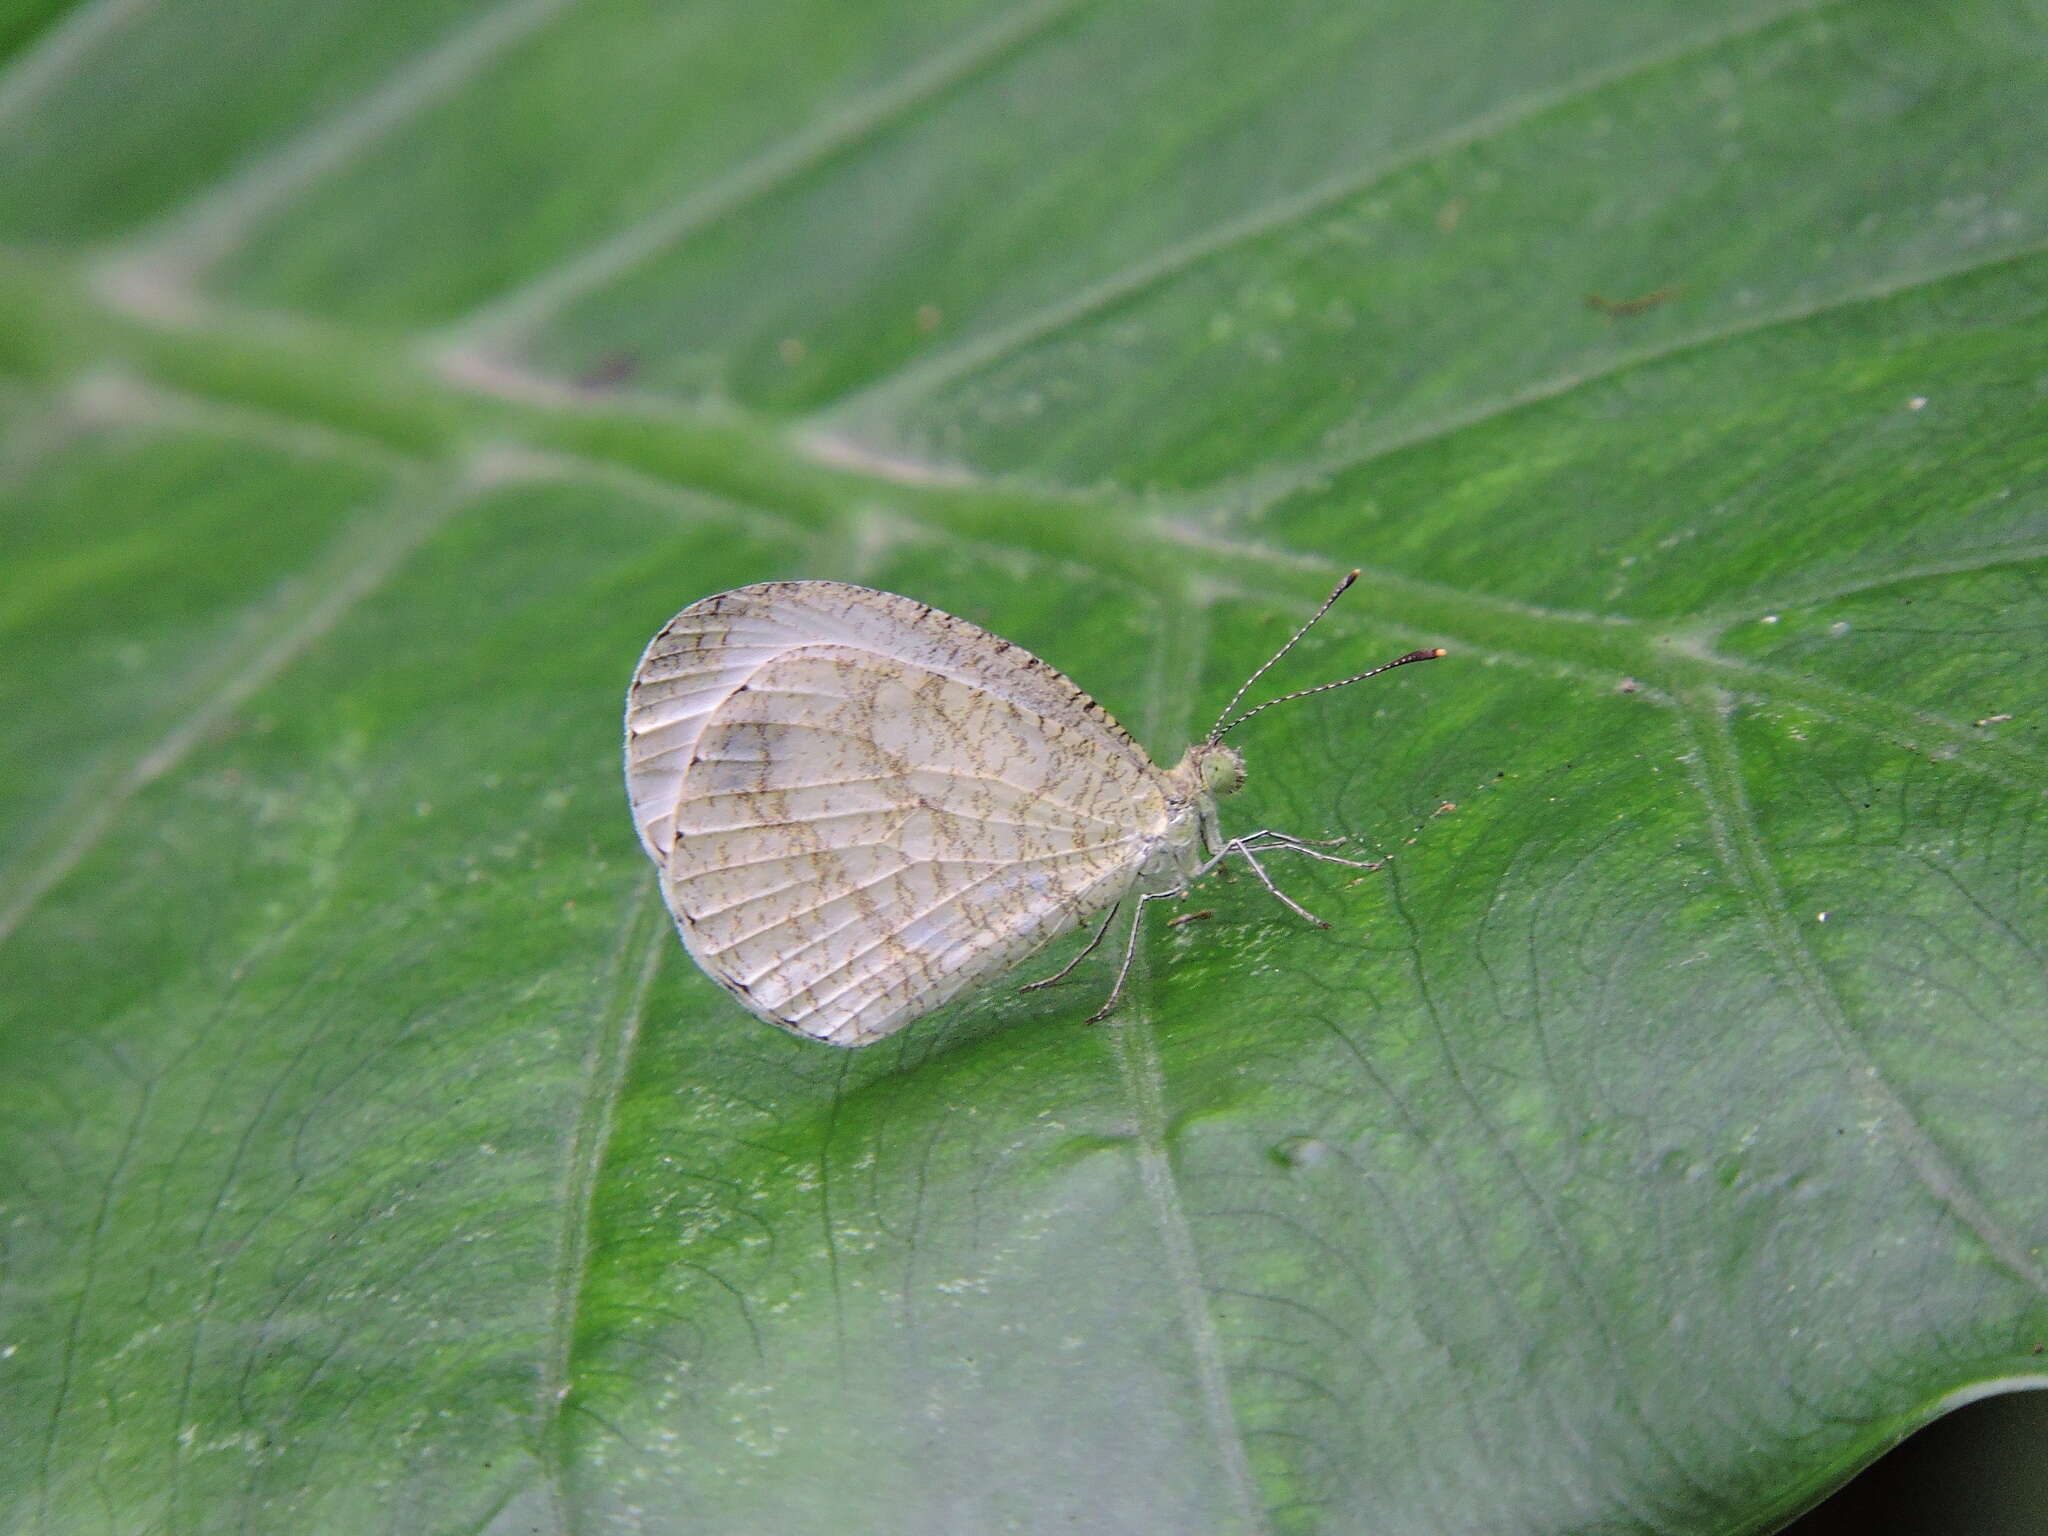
x: 1192, y: 835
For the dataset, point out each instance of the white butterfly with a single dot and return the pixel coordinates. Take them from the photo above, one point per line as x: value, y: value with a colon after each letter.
x: 862, y: 807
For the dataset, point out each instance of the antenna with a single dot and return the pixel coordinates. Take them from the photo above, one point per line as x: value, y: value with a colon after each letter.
x: 1217, y: 730
x: 1225, y: 722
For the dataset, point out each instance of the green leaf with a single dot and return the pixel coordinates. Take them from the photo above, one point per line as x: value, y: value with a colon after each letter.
x: 1655, y: 1139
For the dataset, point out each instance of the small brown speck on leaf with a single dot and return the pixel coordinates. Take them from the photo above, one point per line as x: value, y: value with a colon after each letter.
x: 1622, y: 309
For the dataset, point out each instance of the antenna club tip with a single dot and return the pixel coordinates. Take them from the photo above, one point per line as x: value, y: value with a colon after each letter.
x: 1356, y: 572
x: 1438, y: 652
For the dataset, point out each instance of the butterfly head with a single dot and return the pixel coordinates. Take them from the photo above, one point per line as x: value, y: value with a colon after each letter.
x: 1211, y: 769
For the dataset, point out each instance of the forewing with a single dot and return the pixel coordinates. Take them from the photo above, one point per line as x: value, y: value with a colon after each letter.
x: 857, y: 840
x: 714, y: 646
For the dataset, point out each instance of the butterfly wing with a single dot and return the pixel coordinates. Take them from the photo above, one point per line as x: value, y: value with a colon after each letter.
x: 714, y: 645
x: 863, y: 807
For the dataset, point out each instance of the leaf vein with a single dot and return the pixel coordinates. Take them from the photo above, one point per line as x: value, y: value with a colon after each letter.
x: 974, y: 354
x: 54, y: 54
x: 1718, y: 777
x: 357, y: 563
x: 526, y: 307
x: 1259, y: 491
x: 642, y: 944
x: 1136, y: 1051
x: 178, y: 248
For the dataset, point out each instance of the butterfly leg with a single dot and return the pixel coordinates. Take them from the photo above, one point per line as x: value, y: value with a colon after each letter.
x: 1068, y: 969
x: 1237, y: 846
x: 1130, y: 951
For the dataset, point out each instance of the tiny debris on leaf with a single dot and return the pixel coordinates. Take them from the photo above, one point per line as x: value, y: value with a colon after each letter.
x: 1621, y: 309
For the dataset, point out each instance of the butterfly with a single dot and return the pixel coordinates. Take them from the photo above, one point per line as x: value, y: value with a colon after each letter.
x: 862, y: 807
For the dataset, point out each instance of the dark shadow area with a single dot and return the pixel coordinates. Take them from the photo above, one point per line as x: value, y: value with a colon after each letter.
x: 1980, y: 1471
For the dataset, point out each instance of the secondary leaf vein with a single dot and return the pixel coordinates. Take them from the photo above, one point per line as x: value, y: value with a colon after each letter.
x: 1718, y: 777
x: 358, y: 562
x: 642, y: 942
x: 526, y: 307
x: 976, y: 353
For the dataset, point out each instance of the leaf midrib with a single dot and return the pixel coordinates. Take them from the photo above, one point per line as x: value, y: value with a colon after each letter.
x: 235, y: 360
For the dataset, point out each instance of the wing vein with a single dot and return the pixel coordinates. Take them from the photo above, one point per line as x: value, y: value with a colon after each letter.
x: 855, y: 890
x: 860, y: 955
x: 865, y: 810
x: 937, y: 770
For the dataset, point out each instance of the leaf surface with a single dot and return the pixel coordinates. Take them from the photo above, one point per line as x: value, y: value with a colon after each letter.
x: 1651, y: 1142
